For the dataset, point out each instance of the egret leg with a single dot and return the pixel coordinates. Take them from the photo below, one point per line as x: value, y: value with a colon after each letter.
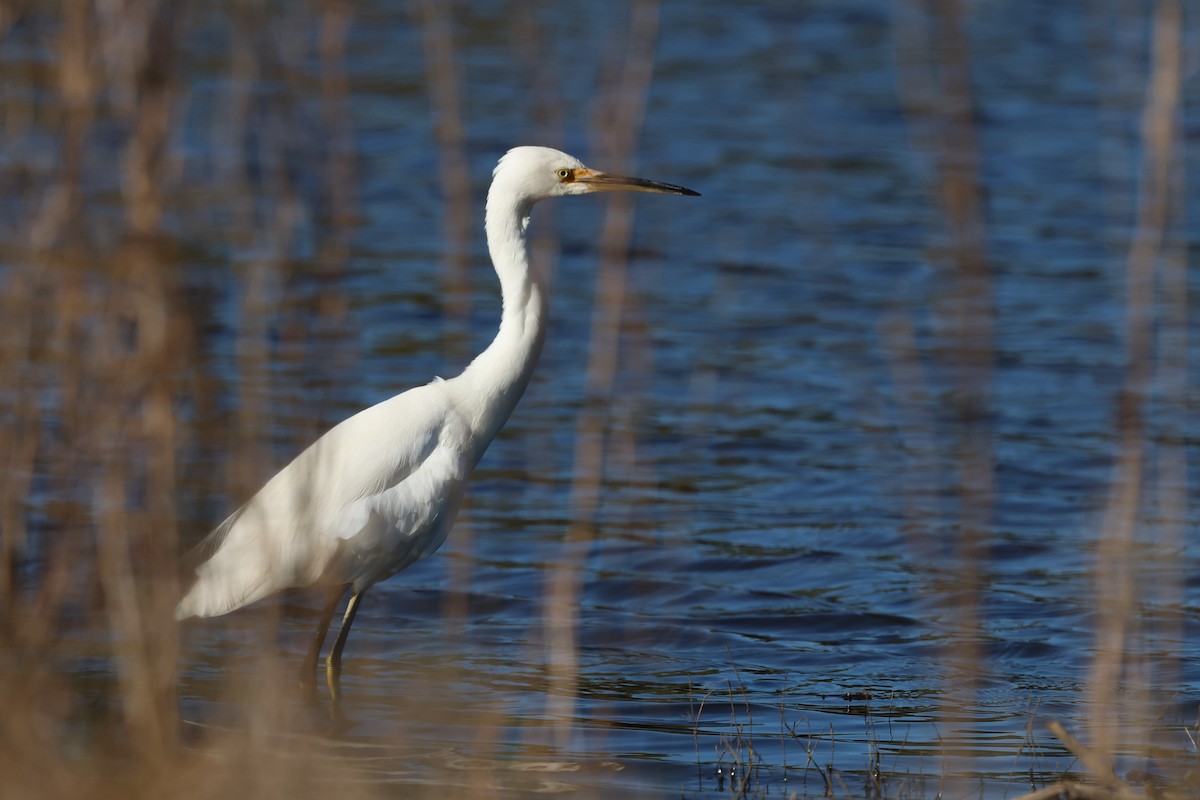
x: 333, y: 663
x: 308, y: 680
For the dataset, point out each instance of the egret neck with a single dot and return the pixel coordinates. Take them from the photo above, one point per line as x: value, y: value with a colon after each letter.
x: 494, y: 382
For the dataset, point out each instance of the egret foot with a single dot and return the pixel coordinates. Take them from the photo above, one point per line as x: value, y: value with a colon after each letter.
x: 333, y: 663
x: 308, y: 670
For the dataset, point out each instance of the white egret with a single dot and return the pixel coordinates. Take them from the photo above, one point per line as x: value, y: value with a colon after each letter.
x: 380, y: 490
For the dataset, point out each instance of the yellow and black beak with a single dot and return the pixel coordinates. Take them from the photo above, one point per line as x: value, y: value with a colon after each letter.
x: 603, y: 182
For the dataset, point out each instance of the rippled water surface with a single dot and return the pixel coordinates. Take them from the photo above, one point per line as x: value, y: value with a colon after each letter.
x: 849, y: 501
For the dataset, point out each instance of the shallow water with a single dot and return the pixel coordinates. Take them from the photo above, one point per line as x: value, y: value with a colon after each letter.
x: 781, y: 537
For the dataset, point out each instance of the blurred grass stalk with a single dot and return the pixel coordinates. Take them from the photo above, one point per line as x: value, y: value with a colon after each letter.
x: 1141, y: 530
x: 616, y: 123
x: 933, y: 56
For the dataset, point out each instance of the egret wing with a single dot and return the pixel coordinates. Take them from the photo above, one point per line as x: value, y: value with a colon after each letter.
x: 289, y: 533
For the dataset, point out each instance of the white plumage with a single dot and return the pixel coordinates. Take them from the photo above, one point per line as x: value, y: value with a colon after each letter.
x: 358, y: 499
x: 381, y: 489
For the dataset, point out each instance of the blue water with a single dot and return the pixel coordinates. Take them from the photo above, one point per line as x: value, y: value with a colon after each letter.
x: 781, y: 542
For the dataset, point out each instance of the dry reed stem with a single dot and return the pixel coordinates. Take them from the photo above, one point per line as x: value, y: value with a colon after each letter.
x: 1117, y: 564
x: 1068, y: 790
x: 933, y: 55
x: 436, y: 19
x: 458, y: 227
x: 623, y: 111
x: 1112, y: 787
x: 1097, y: 764
x: 341, y: 173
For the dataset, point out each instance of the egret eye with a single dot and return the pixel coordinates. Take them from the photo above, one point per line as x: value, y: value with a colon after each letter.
x: 563, y: 173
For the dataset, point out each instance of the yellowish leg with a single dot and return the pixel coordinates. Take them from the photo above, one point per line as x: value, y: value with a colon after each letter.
x: 333, y: 663
x: 308, y: 677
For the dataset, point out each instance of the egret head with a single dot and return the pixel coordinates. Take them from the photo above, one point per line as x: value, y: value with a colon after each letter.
x: 536, y: 173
